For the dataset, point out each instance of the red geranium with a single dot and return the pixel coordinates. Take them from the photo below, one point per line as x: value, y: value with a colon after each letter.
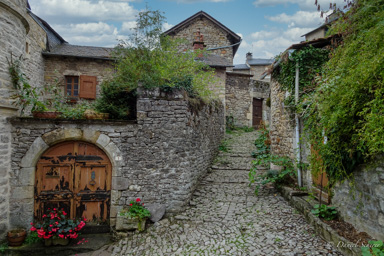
x: 55, y: 224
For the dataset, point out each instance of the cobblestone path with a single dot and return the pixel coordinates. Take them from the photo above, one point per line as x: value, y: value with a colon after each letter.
x: 225, y: 217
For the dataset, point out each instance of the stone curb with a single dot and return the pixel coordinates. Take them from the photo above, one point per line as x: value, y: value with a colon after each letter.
x: 303, y: 204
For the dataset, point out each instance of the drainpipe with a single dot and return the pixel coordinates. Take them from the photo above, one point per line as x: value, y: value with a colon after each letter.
x: 298, y: 153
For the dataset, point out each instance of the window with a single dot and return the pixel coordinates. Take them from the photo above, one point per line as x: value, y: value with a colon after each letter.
x: 80, y: 87
x: 72, y: 86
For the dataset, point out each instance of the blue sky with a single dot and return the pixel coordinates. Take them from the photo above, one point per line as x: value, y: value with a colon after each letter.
x: 267, y: 27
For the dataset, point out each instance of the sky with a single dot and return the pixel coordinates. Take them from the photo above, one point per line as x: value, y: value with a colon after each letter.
x: 267, y: 27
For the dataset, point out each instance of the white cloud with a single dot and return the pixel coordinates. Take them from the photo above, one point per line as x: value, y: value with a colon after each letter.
x: 300, y: 18
x: 85, y: 28
x: 128, y: 26
x: 264, y: 34
x: 303, y: 4
x: 199, y: 1
x: 167, y: 26
x: 85, y: 10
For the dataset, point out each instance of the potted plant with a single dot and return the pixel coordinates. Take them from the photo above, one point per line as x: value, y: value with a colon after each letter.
x: 16, y: 237
x: 133, y: 217
x: 56, y: 229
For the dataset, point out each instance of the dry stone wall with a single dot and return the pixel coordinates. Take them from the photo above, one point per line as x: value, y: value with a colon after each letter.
x: 360, y: 201
x: 159, y: 159
x: 281, y: 125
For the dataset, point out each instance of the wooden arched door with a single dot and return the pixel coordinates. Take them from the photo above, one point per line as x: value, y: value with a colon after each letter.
x: 75, y: 176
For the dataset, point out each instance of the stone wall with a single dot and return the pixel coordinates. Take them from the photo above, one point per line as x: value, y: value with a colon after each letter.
x: 238, y: 101
x: 213, y: 37
x: 282, y: 125
x: 13, y: 33
x: 159, y: 159
x: 33, y: 64
x: 218, y: 88
x: 360, y: 201
x: 56, y: 68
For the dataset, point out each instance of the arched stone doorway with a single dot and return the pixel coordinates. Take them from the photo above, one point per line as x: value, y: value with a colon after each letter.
x: 76, y: 176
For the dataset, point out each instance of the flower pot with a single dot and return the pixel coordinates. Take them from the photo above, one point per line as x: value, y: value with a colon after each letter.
x: 16, y: 237
x: 126, y: 223
x: 56, y: 241
x: 46, y: 114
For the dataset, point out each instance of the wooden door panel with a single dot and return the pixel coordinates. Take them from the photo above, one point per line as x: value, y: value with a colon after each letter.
x: 54, y: 178
x: 93, y: 211
x: 257, y: 112
x: 75, y: 176
x: 92, y: 178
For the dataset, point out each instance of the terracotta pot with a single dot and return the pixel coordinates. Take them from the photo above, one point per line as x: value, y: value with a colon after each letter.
x: 16, y: 237
x: 56, y: 241
x: 46, y: 114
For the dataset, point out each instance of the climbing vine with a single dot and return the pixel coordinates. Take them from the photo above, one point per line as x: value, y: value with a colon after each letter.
x: 342, y: 101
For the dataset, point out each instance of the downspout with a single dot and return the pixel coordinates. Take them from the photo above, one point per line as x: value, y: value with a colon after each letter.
x: 298, y: 153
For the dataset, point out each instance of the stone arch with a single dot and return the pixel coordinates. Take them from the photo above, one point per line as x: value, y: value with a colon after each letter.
x: 41, y: 144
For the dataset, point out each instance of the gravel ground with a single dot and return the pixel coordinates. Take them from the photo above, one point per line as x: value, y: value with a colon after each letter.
x: 225, y: 217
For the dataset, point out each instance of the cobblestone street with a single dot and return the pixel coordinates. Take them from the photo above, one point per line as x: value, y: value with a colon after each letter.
x: 225, y: 217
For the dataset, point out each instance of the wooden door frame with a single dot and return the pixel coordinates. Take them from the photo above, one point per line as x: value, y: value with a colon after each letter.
x: 70, y: 160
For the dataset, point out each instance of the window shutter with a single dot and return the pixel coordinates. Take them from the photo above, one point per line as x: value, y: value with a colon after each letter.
x: 87, y: 87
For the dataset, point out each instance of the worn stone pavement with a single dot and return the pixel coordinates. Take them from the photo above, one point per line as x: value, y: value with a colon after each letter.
x: 225, y: 217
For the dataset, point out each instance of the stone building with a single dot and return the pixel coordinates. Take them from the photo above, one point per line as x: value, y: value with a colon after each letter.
x: 94, y: 168
x: 359, y: 200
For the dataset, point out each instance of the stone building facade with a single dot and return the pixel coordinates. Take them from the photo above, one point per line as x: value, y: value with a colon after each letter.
x: 159, y: 158
x: 238, y: 98
x: 216, y: 38
x: 58, y: 67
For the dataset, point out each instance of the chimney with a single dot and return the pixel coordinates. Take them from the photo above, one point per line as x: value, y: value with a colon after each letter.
x: 248, y: 56
x: 198, y: 42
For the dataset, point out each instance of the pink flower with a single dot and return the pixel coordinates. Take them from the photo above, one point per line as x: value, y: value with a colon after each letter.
x: 130, y: 204
x: 73, y: 236
x: 61, y: 236
x: 138, y: 200
x: 33, y: 229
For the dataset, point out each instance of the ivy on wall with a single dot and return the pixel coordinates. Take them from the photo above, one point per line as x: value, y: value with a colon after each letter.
x: 343, y: 100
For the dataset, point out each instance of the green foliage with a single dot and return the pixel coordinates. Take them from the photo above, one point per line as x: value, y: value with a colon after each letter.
x: 75, y: 111
x: 3, y: 247
x: 26, y: 95
x: 325, y: 212
x: 149, y: 60
x: 310, y: 61
x: 343, y: 99
x: 230, y: 123
x: 116, y: 100
x: 374, y: 248
x: 32, y: 238
x: 136, y: 209
x: 265, y: 158
x: 348, y: 103
x: 224, y: 146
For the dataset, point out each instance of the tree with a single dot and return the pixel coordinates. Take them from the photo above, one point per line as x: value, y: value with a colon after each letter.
x: 151, y: 60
